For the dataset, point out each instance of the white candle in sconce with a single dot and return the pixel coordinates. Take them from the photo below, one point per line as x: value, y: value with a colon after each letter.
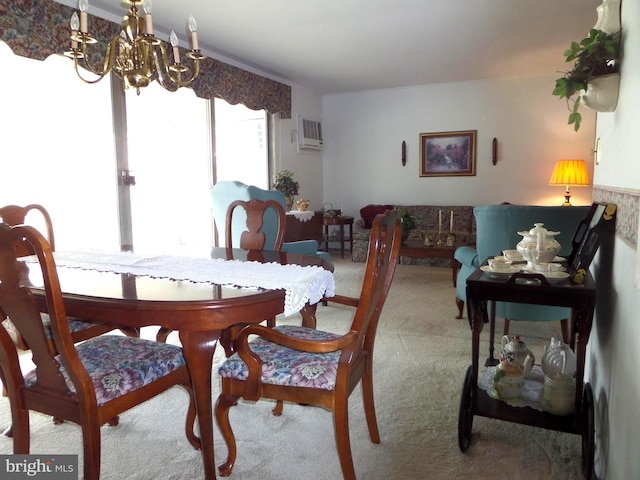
x: 451, y: 222
x: 439, y: 220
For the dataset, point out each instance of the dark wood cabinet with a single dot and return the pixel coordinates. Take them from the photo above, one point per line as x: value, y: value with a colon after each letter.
x: 302, y: 229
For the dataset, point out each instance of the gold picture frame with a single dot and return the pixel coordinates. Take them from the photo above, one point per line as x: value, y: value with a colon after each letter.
x: 446, y: 154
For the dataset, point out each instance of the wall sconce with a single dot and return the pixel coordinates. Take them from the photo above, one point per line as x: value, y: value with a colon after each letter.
x: 569, y: 173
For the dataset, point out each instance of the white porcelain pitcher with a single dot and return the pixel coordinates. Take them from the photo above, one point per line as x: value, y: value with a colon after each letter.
x: 538, y: 245
x: 558, y: 358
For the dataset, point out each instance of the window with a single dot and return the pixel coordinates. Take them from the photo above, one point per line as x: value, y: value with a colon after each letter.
x: 241, y: 144
x: 54, y: 150
x: 168, y: 137
x: 58, y: 149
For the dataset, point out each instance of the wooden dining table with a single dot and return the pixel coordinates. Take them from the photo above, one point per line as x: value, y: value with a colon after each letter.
x: 198, y: 311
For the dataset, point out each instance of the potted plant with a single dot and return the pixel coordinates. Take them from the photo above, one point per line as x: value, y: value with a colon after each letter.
x: 286, y: 184
x: 595, y: 56
x: 408, y: 223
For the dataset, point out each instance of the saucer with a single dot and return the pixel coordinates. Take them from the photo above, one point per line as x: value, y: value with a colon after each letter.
x: 550, y: 276
x: 556, y: 268
x: 555, y: 276
x: 507, y: 271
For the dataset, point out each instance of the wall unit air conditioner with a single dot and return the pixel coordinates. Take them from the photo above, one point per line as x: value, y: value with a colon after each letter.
x: 309, y: 134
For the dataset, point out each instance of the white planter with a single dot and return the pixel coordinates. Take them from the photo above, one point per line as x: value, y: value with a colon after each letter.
x: 602, y: 93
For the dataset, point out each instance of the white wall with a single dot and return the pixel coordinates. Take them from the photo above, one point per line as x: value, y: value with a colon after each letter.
x: 364, y: 132
x: 614, y: 347
x: 306, y: 165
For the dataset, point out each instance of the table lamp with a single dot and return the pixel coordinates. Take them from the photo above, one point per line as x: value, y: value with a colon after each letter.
x: 570, y: 173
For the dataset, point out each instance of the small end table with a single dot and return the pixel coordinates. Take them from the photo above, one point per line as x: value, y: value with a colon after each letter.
x: 341, y: 221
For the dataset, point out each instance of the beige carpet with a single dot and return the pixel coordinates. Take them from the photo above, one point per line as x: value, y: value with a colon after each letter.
x: 422, y: 353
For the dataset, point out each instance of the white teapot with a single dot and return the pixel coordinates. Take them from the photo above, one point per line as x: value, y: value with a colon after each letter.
x: 538, y: 245
x: 515, y: 350
x: 558, y: 358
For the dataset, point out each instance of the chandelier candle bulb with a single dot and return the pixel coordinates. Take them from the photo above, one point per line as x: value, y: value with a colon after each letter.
x: 83, y: 5
x: 148, y: 19
x: 173, y: 38
x: 193, y: 28
x: 75, y: 25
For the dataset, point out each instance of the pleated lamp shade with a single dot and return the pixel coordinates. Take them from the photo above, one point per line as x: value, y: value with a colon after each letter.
x: 569, y: 173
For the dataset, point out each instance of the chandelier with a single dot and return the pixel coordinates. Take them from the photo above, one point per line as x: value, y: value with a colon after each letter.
x: 135, y: 55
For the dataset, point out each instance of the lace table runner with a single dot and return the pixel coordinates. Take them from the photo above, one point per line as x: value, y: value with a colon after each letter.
x: 301, y: 284
x: 302, y: 216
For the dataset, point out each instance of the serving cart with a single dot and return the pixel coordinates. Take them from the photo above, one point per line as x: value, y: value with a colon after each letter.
x: 578, y: 292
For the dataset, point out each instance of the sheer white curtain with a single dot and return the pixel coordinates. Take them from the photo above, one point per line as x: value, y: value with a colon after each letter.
x: 54, y: 151
x: 169, y: 135
x: 241, y: 144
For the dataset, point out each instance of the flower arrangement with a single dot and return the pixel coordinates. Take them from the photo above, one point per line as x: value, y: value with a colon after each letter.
x: 286, y: 184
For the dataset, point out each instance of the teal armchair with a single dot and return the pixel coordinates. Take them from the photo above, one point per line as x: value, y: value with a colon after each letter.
x: 225, y: 192
x: 497, y: 228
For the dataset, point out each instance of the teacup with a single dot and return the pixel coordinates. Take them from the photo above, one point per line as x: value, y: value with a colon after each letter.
x: 500, y: 263
x: 548, y: 267
x: 512, y: 254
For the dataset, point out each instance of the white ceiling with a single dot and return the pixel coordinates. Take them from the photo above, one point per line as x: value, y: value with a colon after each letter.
x: 332, y: 46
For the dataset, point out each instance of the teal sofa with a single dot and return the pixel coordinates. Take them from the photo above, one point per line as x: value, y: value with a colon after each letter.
x: 225, y: 192
x: 497, y: 228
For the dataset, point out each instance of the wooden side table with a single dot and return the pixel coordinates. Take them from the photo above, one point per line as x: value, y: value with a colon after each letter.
x: 417, y: 249
x: 341, y: 221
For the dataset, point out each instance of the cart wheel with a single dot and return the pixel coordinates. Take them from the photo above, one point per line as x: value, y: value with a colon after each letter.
x: 465, y: 414
x: 588, y: 432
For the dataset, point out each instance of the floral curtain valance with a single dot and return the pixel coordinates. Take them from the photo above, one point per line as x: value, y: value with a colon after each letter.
x: 39, y: 28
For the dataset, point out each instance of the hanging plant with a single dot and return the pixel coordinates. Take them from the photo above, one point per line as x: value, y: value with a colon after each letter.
x: 596, y: 55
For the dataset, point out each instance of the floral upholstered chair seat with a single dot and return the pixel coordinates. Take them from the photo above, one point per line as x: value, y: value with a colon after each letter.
x: 286, y: 366
x: 118, y: 365
x: 75, y: 325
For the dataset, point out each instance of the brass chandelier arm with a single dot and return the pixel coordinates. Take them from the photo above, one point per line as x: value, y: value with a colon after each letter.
x: 170, y: 77
x: 107, y: 63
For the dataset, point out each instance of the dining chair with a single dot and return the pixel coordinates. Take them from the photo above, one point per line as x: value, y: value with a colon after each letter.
x: 89, y: 383
x: 314, y: 367
x: 81, y: 329
x: 223, y: 193
x: 253, y: 238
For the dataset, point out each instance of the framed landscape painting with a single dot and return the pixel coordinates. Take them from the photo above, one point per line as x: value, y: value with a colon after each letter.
x: 446, y: 154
